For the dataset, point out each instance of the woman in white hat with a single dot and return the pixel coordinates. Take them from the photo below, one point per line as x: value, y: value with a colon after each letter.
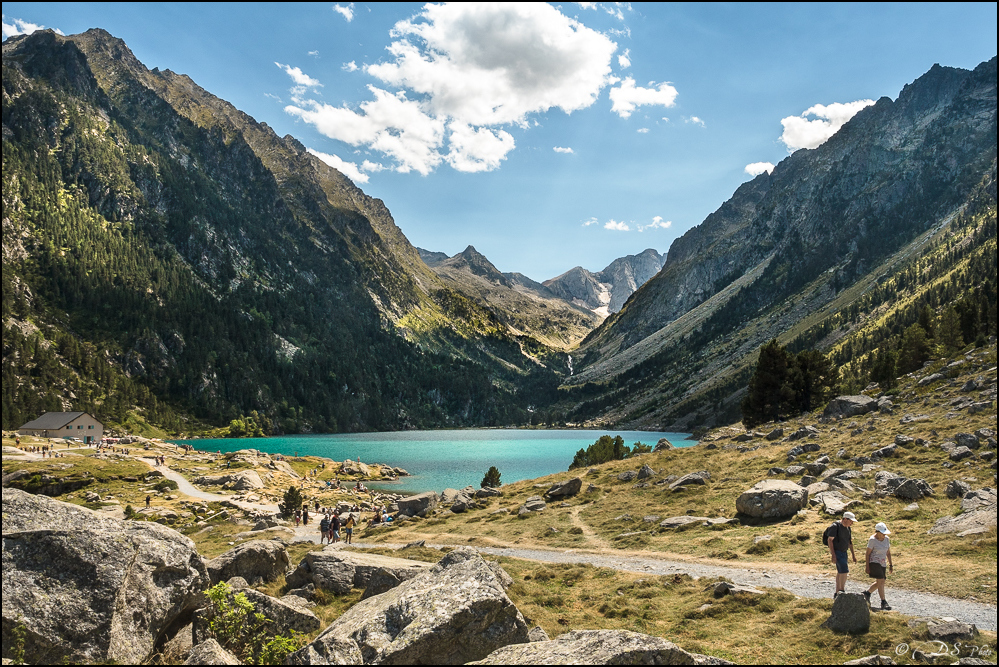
x: 878, y: 558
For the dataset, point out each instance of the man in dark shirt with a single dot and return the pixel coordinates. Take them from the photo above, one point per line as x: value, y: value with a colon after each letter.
x: 839, y: 537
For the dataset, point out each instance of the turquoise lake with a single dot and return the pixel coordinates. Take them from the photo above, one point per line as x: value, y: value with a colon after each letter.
x: 446, y: 459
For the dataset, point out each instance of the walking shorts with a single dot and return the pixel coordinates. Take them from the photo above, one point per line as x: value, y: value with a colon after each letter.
x: 878, y: 571
x: 841, y: 562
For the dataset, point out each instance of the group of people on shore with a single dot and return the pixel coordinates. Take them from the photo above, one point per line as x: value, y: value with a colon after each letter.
x: 877, y: 558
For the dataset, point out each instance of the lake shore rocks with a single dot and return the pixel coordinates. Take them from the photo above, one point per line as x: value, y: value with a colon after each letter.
x: 598, y: 647
x: 89, y: 588
x: 452, y: 614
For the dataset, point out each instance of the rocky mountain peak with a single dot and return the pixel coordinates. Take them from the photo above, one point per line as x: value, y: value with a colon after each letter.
x: 607, y: 291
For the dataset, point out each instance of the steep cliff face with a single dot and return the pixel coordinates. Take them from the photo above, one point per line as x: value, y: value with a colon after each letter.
x: 162, y: 241
x: 823, y: 219
x: 607, y: 291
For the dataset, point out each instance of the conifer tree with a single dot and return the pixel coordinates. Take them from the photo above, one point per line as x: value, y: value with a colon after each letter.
x: 949, y: 337
x: 491, y: 479
x: 770, y: 395
x: 914, y: 351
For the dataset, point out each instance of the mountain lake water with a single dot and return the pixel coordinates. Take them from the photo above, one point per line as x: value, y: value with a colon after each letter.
x: 437, y: 460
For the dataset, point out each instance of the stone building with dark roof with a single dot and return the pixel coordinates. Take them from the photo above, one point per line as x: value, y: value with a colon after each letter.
x: 65, y: 425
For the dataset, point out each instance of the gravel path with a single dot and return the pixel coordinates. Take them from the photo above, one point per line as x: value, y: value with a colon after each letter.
x: 912, y: 603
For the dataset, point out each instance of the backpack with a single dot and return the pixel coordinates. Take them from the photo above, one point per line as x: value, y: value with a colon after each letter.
x: 832, y: 531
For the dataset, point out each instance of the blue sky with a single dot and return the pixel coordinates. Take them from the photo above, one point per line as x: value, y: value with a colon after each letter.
x: 462, y: 117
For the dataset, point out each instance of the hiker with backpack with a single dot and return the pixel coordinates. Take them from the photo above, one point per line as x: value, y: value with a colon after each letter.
x: 839, y: 537
x: 877, y: 558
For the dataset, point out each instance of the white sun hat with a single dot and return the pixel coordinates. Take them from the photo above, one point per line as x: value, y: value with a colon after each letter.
x: 882, y: 528
x: 850, y: 515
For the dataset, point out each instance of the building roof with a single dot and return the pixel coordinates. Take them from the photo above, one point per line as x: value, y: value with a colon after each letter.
x: 53, y: 420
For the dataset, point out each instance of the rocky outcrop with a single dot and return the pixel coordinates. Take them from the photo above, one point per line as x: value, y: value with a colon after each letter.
x: 700, y: 477
x: 209, y: 652
x: 662, y: 446
x: 569, y: 487
x: 978, y: 515
x: 531, y: 505
x: 244, y: 480
x: 598, y: 647
x: 850, y: 406
x: 772, y: 499
x: 452, y: 614
x: 257, y: 561
x: 417, y: 505
x: 89, y: 588
x: 338, y: 571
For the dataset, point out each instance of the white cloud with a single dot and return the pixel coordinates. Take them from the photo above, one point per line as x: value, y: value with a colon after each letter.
x: 348, y: 169
x: 346, y: 12
x: 350, y: 67
x: 390, y: 124
x: 494, y: 64
x: 479, y: 149
x: 314, y: 54
x: 642, y: 130
x: 802, y: 132
x: 587, y: 5
x: 657, y: 223
x: 695, y: 120
x: 273, y: 97
x: 464, y: 70
x: 627, y: 97
x: 757, y: 168
x: 19, y: 27
x: 299, y: 77
x: 617, y: 226
x: 623, y: 60
x: 591, y: 221
x: 560, y: 149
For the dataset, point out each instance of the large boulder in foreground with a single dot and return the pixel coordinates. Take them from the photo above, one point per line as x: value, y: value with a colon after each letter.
x: 851, y: 614
x: 772, y: 499
x: 598, y: 647
x: 453, y: 613
x: 336, y: 570
x: 257, y: 561
x: 284, y: 616
x: 89, y: 588
x: 850, y: 406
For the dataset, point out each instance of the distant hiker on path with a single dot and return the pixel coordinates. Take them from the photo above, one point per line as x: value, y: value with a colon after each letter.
x: 839, y: 536
x: 877, y: 558
x: 348, y: 528
x: 335, y: 527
